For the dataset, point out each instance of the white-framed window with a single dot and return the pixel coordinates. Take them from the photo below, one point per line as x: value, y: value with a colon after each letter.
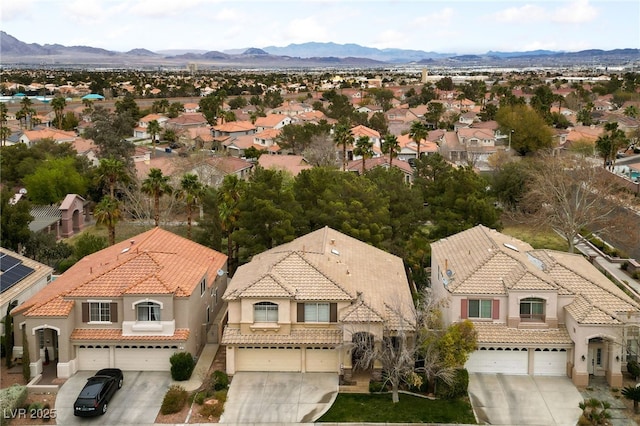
x: 203, y: 286
x: 265, y: 312
x: 532, y: 309
x: 214, y: 294
x: 148, y: 311
x: 100, y: 311
x: 316, y: 312
x: 480, y: 308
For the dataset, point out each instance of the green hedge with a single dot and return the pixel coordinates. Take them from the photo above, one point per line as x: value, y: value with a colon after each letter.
x: 11, y: 398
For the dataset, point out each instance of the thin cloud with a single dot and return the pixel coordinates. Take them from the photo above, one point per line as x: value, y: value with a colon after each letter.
x: 441, y: 17
x: 526, y: 13
x: 13, y: 10
x: 576, y: 12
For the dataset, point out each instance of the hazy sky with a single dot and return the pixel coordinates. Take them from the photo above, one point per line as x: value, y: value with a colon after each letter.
x: 441, y: 26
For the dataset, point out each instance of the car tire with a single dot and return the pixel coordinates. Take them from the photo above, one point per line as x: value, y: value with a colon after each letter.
x: 104, y: 408
x: 119, y: 383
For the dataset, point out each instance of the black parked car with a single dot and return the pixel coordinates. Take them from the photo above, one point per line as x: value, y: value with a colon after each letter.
x: 97, y: 392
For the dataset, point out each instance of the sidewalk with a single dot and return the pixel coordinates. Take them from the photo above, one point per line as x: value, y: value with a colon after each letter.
x: 205, y: 360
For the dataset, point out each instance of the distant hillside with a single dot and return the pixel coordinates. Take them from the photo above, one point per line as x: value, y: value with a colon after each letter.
x: 310, y: 54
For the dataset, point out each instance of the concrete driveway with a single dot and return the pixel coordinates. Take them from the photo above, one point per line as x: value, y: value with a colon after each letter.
x: 279, y: 397
x: 499, y: 399
x: 137, y: 402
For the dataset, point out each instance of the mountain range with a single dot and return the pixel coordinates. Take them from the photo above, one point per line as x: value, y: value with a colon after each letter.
x: 18, y: 53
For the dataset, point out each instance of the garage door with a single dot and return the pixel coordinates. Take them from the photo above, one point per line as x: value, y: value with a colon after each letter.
x: 322, y: 360
x: 268, y: 359
x: 93, y: 358
x: 550, y: 362
x: 144, y: 359
x: 505, y: 361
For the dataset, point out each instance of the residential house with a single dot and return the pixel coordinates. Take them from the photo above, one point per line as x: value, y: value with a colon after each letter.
x: 130, y: 306
x: 364, y: 131
x: 30, y: 137
x: 20, y: 278
x: 272, y: 121
x: 234, y: 129
x: 292, y: 164
x: 537, y: 312
x: 469, y: 144
x: 140, y: 131
x: 298, y: 306
x: 292, y: 108
x: 409, y: 148
x: 212, y: 170
x: 184, y: 121
x: 402, y: 165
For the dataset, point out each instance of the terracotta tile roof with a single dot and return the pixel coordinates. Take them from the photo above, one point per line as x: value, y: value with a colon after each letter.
x: 490, y: 334
x: 361, y: 130
x: 105, y: 334
x: 232, y: 336
x: 293, y: 164
x: 50, y: 133
x: 235, y: 126
x: 360, y: 312
x: 326, y: 265
x: 270, y: 120
x: 484, y: 261
x: 157, y: 262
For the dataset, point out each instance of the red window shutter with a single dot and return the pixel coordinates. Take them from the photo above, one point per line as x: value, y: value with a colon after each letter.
x: 300, y: 312
x: 85, y: 312
x: 464, y: 309
x: 333, y: 312
x: 496, y: 309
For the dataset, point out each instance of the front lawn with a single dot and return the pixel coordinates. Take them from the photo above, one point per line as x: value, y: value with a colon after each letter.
x: 411, y: 409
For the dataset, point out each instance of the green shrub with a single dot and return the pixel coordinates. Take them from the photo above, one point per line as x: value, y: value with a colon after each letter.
x: 35, y: 406
x: 11, y: 398
x: 200, y: 397
x: 633, y: 368
x: 457, y: 388
x: 214, y: 409
x: 182, y: 365
x: 174, y: 400
x: 376, y: 387
x: 625, y: 265
x: 220, y: 380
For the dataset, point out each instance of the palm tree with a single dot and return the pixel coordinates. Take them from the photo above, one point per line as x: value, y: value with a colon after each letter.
x: 342, y: 137
x: 156, y: 185
x: 110, y: 172
x: 631, y: 111
x: 191, y: 190
x: 632, y: 393
x: 418, y: 132
x: 153, y: 128
x: 390, y: 146
x: 107, y: 212
x: 228, y: 197
x: 5, y: 132
x: 26, y: 112
x: 58, y: 104
x: 364, y: 147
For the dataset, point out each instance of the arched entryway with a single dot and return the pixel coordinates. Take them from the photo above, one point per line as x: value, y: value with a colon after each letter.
x: 47, y: 338
x: 604, y: 360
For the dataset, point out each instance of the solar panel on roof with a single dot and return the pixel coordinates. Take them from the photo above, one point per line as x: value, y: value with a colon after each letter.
x: 14, y: 274
x: 7, y: 262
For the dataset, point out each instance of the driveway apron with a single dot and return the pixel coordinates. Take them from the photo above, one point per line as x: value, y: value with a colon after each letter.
x: 500, y: 399
x: 137, y: 402
x: 257, y: 397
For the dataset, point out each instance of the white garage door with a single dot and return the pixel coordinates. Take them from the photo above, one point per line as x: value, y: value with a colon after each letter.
x: 144, y: 359
x: 93, y: 358
x: 498, y: 361
x: 322, y: 360
x: 268, y: 359
x: 550, y: 362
